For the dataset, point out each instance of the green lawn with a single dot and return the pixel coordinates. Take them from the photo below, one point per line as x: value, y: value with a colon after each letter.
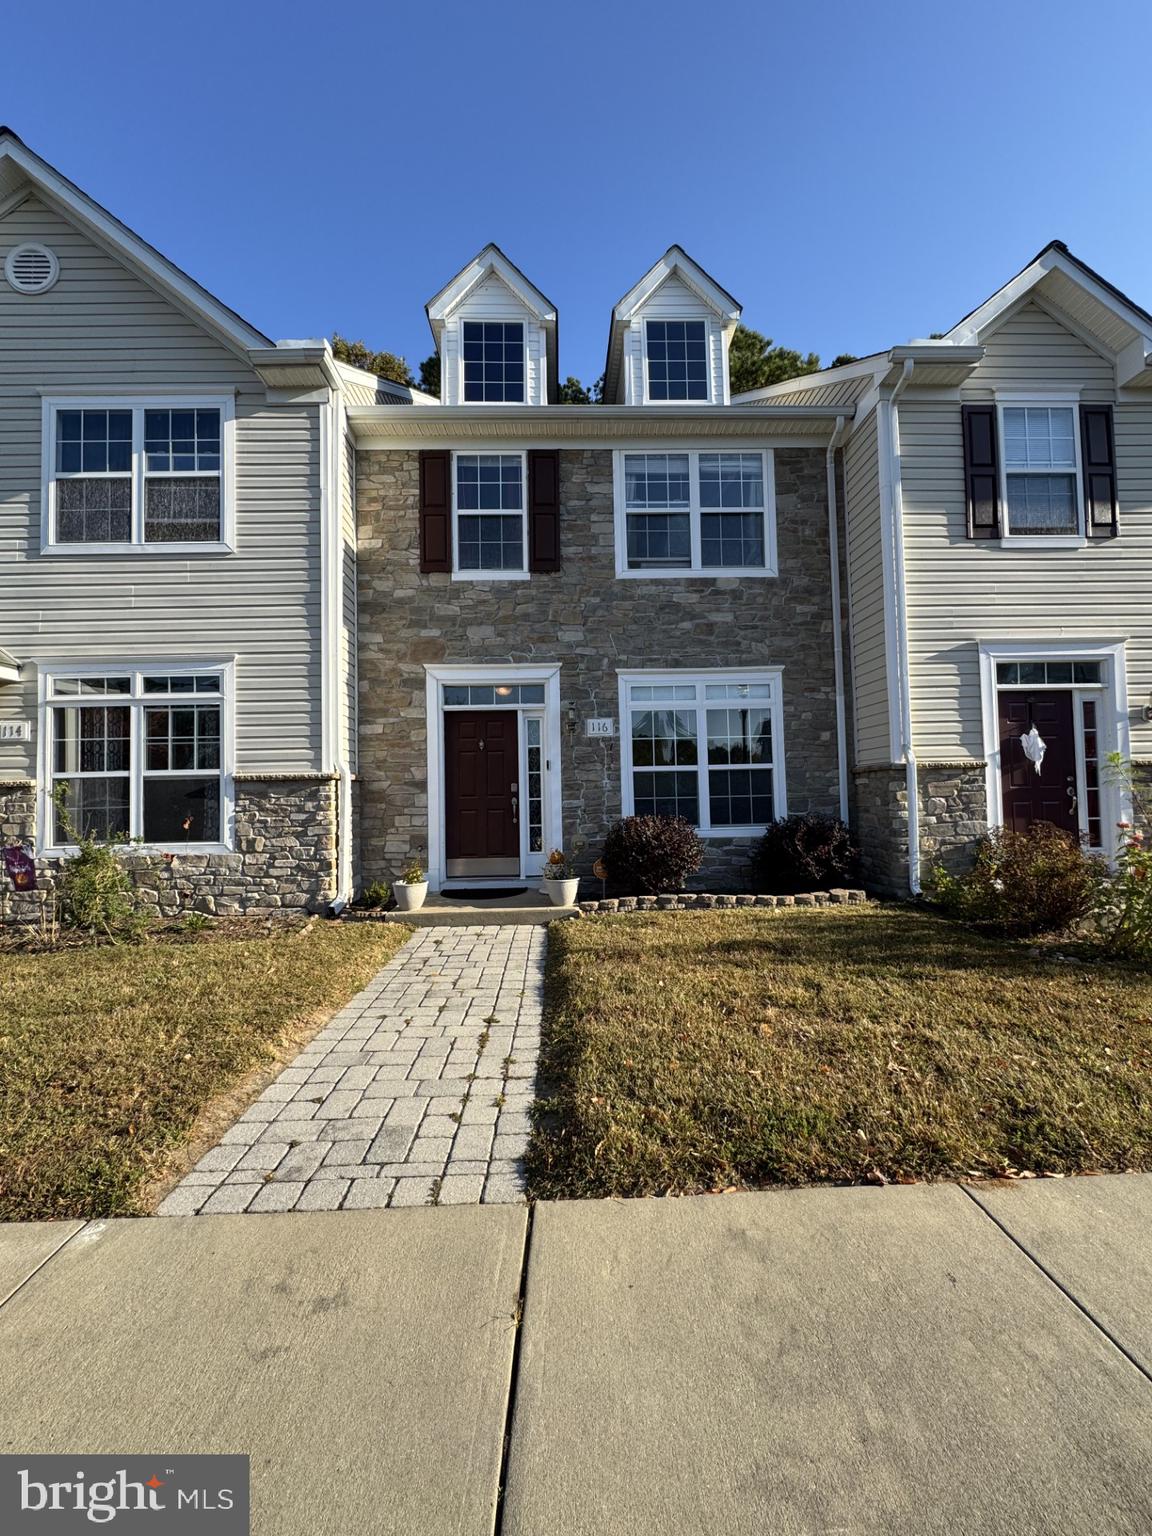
x: 707, y: 1050
x: 108, y: 1054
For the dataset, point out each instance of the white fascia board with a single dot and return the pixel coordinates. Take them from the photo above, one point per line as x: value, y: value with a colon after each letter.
x: 875, y: 364
x: 9, y: 667
x: 157, y: 270
x: 975, y: 324
x: 490, y: 260
x: 677, y: 263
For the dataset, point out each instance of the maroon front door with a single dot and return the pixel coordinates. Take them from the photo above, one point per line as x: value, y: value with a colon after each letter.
x: 481, y: 791
x: 1049, y: 795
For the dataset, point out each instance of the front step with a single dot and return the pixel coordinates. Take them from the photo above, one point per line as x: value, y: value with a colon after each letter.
x: 499, y: 912
x: 460, y: 916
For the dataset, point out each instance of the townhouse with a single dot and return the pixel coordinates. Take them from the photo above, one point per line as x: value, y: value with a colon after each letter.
x: 286, y: 625
x: 999, y: 556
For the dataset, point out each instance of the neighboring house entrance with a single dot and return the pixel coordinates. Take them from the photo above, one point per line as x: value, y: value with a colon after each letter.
x: 1046, y: 791
x: 494, y: 794
x: 1076, y: 696
x: 482, y: 793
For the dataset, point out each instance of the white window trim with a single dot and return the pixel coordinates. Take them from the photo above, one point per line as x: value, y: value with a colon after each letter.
x: 224, y: 667
x: 1112, y: 724
x: 1008, y: 539
x: 492, y: 320
x: 625, y: 572
x: 138, y: 404
x: 710, y: 397
x: 771, y: 675
x: 482, y: 452
x: 435, y: 679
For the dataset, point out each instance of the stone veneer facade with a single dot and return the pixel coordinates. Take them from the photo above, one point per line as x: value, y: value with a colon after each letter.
x: 284, y: 859
x: 592, y: 623
x: 953, y: 815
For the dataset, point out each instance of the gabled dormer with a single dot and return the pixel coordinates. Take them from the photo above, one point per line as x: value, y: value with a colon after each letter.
x: 670, y: 336
x: 496, y: 336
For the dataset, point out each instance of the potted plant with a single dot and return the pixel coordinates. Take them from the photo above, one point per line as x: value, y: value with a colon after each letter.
x: 561, y: 880
x: 412, y: 887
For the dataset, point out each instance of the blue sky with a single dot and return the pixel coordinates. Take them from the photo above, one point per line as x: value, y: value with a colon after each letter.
x: 856, y: 174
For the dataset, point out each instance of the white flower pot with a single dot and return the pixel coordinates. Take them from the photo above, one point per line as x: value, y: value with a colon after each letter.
x: 562, y: 893
x: 410, y: 898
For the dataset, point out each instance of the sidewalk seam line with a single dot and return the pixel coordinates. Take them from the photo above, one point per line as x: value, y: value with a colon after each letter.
x: 1060, y: 1286
x: 513, y: 1374
x: 84, y: 1224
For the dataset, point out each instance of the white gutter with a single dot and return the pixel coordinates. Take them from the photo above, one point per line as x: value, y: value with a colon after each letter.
x: 331, y: 601
x: 894, y: 511
x: 837, y: 622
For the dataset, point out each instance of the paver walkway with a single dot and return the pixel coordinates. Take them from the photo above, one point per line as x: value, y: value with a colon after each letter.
x: 416, y: 1093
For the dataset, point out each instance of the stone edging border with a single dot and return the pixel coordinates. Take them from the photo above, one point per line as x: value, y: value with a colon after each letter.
x: 691, y: 902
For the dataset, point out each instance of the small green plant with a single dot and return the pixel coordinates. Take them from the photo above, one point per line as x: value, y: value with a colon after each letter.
x: 413, y: 872
x: 559, y: 866
x: 378, y: 894
x: 95, y: 890
x: 1038, y: 881
x: 1124, y: 904
x: 194, y: 922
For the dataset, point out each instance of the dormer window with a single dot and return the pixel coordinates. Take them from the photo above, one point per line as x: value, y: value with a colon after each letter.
x: 677, y: 357
x: 496, y: 336
x: 493, y: 361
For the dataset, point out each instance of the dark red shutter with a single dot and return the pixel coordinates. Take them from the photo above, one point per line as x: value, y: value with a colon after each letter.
x: 981, y: 471
x: 544, y: 510
x: 1098, y: 449
x: 435, y: 511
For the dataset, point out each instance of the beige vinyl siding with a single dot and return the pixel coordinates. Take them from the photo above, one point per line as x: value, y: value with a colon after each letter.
x: 102, y: 328
x: 961, y: 591
x: 865, y: 562
x: 347, y: 680
x: 1032, y: 350
x: 673, y: 300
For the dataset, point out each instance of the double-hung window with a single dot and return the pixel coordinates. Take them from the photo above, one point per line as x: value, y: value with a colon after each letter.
x: 127, y: 475
x: 137, y: 753
x: 489, y: 531
x: 707, y: 747
x: 676, y: 358
x: 702, y: 513
x: 1041, y: 469
x: 493, y: 361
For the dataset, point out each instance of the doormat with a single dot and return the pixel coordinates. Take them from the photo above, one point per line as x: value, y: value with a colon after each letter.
x: 485, y: 895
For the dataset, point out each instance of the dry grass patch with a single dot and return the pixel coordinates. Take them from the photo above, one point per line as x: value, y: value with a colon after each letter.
x: 108, y: 1054
x: 705, y: 1050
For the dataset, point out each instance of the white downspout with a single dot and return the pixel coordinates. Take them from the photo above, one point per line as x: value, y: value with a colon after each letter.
x: 837, y: 623
x: 896, y: 513
x: 331, y: 449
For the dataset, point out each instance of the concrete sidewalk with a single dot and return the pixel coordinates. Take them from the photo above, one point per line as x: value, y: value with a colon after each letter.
x: 894, y: 1361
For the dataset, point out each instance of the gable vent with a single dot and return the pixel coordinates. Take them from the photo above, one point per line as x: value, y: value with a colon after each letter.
x: 31, y: 268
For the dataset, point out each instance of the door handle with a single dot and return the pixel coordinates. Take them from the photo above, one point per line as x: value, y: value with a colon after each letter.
x: 1072, y: 795
x: 515, y: 810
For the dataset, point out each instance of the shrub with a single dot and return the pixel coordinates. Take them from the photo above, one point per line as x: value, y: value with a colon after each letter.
x: 648, y: 855
x: 95, y: 891
x: 378, y: 894
x: 1038, y: 881
x: 804, y: 853
x: 1124, y: 903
